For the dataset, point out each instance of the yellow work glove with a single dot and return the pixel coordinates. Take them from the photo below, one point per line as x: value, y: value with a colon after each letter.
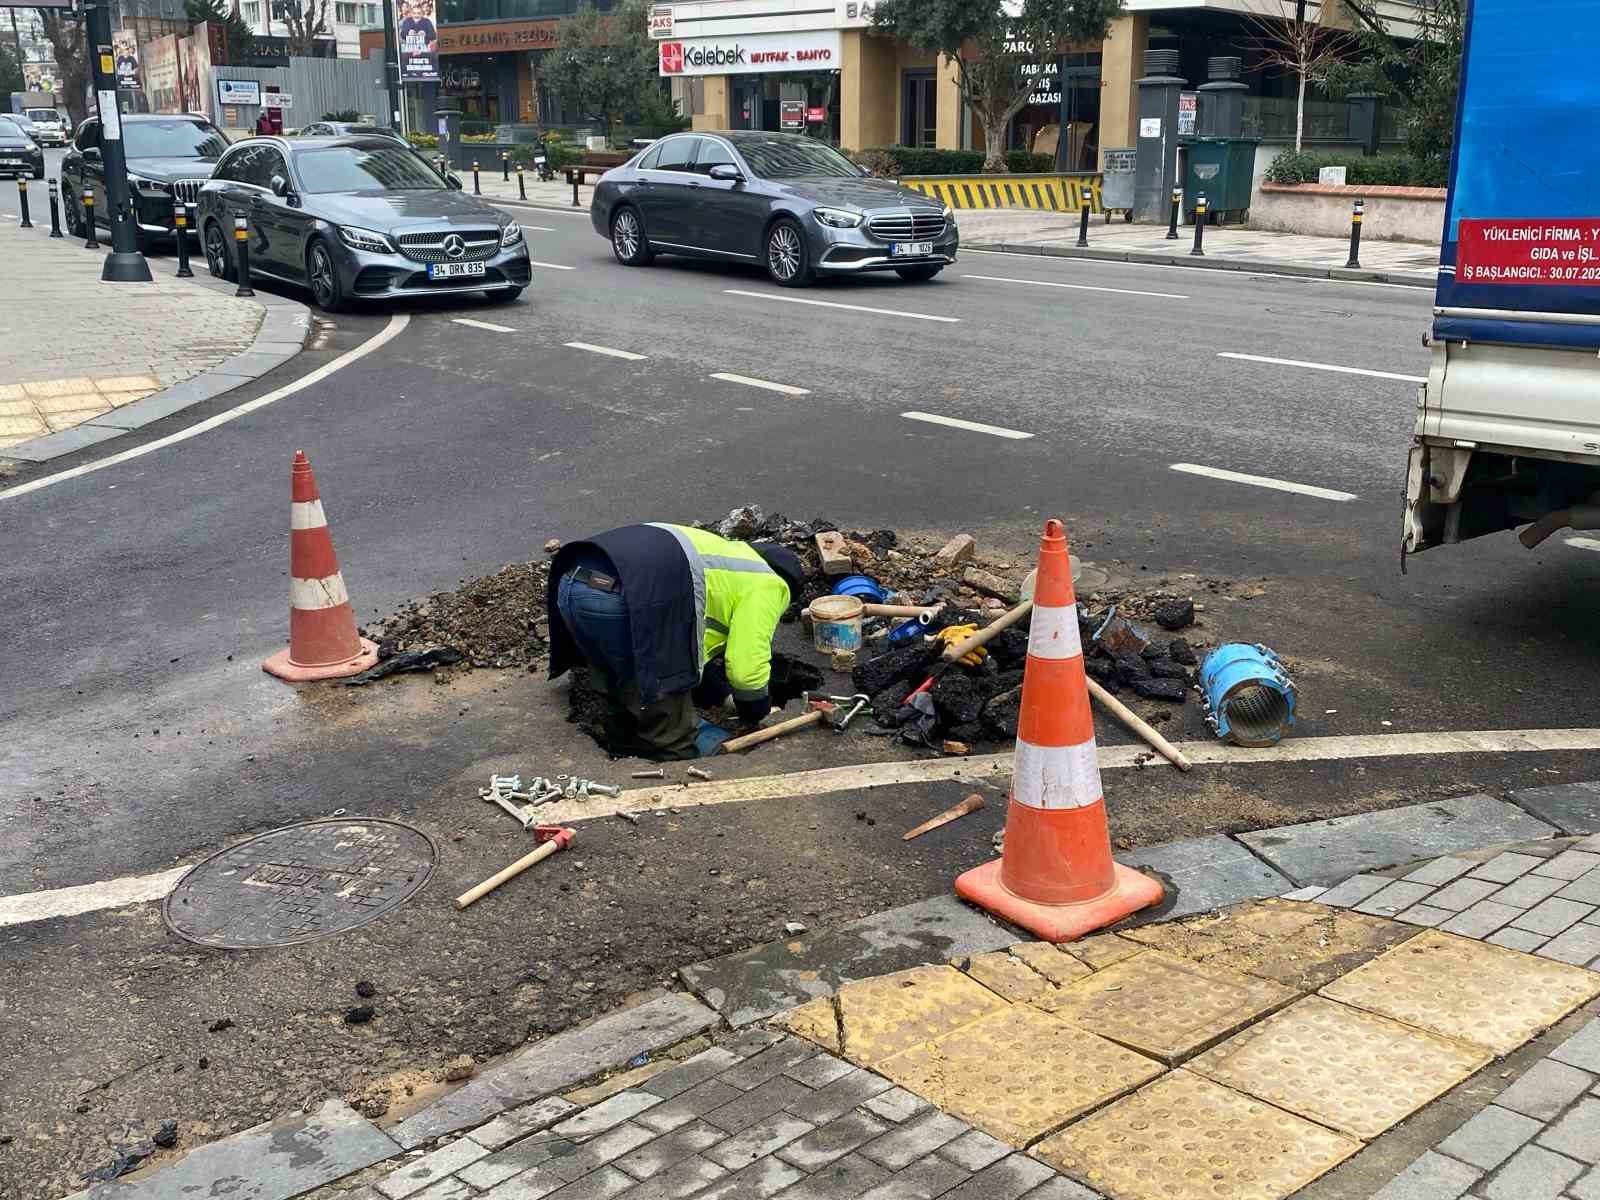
x: 951, y: 635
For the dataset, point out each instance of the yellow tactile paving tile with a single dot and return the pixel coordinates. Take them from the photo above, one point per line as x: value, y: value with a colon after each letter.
x: 1166, y: 1006
x: 1006, y: 976
x: 815, y: 1020
x: 127, y: 383
x: 1467, y: 990
x: 1101, y: 950
x: 1045, y: 958
x: 1297, y: 944
x: 1351, y: 1070
x: 1186, y: 1138
x: 1018, y: 1073
x: 891, y: 1013
x: 76, y: 385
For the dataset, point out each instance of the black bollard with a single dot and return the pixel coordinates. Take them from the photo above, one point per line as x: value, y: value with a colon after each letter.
x: 522, y: 184
x: 1085, y: 199
x: 1172, y: 221
x: 22, y: 200
x: 573, y: 175
x: 55, y: 211
x: 1199, y: 226
x: 476, y: 190
x: 241, y: 242
x: 89, y: 241
x: 180, y: 234
x: 1356, y: 211
x: 505, y: 166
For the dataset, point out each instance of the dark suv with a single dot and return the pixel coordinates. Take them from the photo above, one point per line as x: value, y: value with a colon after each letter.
x: 169, y: 157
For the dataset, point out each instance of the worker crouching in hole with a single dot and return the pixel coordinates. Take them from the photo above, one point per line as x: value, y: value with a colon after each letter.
x: 670, y: 618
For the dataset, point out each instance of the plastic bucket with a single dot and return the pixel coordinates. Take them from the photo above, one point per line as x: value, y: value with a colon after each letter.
x: 864, y: 586
x: 836, y: 623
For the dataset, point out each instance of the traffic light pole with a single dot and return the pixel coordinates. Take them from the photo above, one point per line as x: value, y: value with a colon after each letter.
x: 391, y: 65
x: 124, y: 264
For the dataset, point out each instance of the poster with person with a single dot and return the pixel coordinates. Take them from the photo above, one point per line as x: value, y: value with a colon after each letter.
x: 418, y: 39
x: 126, y: 50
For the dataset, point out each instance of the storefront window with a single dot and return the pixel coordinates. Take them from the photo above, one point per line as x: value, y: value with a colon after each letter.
x: 803, y: 102
x: 919, y: 108
x: 1062, y: 118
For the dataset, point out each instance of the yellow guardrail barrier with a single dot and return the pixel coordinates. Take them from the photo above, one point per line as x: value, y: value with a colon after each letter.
x: 1058, y: 193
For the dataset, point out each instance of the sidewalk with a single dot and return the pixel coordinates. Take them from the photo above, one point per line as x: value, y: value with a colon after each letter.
x: 84, y: 361
x: 1227, y: 247
x: 1422, y: 1029
x: 555, y: 194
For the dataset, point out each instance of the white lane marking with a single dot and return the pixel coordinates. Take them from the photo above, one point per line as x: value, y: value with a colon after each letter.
x: 489, y: 325
x: 970, y: 426
x: 395, y: 327
x: 91, y: 897
x: 882, y: 312
x: 539, y: 228
x: 88, y: 897
x: 1265, y: 481
x: 1312, y: 366
x: 786, y: 389
x: 551, y: 266
x: 1582, y: 543
x: 1078, y: 287
x: 607, y: 350
x: 1253, y: 274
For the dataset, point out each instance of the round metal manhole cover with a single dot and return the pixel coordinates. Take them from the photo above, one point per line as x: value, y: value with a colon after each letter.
x: 300, y: 883
x: 1311, y: 312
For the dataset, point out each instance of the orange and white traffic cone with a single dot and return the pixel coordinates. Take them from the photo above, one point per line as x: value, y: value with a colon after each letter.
x: 1056, y: 877
x: 323, y: 643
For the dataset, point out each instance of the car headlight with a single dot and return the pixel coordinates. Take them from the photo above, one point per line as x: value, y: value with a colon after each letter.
x: 949, y: 213
x: 837, y: 218
x: 511, y: 234
x: 365, y: 239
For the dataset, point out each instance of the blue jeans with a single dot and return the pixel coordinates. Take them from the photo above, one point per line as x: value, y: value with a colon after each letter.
x: 598, y: 622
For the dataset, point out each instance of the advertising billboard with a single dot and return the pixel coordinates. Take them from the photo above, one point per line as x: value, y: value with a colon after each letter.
x: 418, y: 39
x: 158, y: 60
x: 125, y: 49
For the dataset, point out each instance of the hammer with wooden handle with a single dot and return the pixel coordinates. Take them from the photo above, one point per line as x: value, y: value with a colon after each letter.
x: 820, y: 710
x: 550, y: 837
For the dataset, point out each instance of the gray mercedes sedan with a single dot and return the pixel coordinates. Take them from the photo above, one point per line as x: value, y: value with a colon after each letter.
x: 791, y: 203
x: 357, y: 218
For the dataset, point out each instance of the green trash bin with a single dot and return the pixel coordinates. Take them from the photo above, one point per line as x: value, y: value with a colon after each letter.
x: 1222, y: 168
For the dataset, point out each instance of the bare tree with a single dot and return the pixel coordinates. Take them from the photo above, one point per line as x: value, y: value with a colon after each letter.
x: 1281, y: 36
x: 63, y: 29
x: 307, y: 20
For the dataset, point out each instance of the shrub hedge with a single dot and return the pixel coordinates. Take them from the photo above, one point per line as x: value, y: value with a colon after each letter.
x: 1394, y: 170
x: 914, y: 160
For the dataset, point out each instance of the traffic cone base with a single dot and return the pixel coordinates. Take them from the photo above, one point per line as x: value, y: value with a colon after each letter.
x: 285, y: 668
x: 1130, y: 891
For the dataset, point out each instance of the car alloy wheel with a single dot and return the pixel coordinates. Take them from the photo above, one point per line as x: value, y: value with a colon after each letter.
x: 216, y: 251
x: 784, y: 252
x: 324, y: 284
x: 627, y: 239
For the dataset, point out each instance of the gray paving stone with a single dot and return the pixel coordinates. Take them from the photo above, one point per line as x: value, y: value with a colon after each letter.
x: 1202, y: 874
x: 598, y: 1152
x: 1328, y: 851
x: 1573, y: 808
x: 669, y: 1149
x: 281, y: 1158
x: 1576, y: 1134
x: 760, y: 1103
x: 761, y: 982
x: 1585, y: 889
x: 1528, y: 891
x: 1534, y: 1174
x: 1440, y: 871
x: 609, y: 1113
x: 758, y: 1141
x: 768, y: 1064
x: 679, y: 1079
x: 1431, y: 1177
x: 1353, y: 890
x: 839, y: 1097
x: 1582, y: 1049
x: 1464, y: 893
x: 1482, y: 919
x: 1061, y: 1188
x: 682, y: 1179
x: 753, y: 1041
x: 820, y: 1071
x: 1422, y: 914
x: 54, y: 445
x: 530, y: 1152
x: 559, y: 1062
x: 842, y: 1179
x: 1579, y: 946
x: 921, y: 1180
x: 899, y: 1148
x: 682, y: 1109
x: 1503, y: 868
x: 974, y: 1150
x: 430, y: 1168
x: 520, y: 1122
x: 1587, y: 1188
x: 251, y: 365
x: 1490, y: 1137
x: 1305, y: 893
x: 895, y: 1105
x: 1569, y: 864
x: 832, y: 1141
x: 530, y: 1185
x: 167, y: 401
x: 1551, y: 916
x: 598, y: 1185
x: 762, y: 1178
x: 1544, y: 1089
x: 1008, y: 1179
x: 446, y: 1189
x: 1517, y: 939
x: 1386, y: 902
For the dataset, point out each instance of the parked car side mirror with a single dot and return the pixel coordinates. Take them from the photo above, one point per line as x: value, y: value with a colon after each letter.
x: 865, y: 171
x: 453, y: 180
x: 727, y: 173
x: 280, y: 186
x: 91, y: 152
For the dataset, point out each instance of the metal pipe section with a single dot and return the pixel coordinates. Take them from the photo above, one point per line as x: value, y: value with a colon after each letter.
x: 1247, y: 695
x: 1579, y: 516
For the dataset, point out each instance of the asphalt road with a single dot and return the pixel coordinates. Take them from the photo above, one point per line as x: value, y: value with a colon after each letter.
x: 137, y: 731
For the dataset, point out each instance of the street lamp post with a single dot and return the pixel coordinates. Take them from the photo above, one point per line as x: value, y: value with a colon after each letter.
x: 124, y: 264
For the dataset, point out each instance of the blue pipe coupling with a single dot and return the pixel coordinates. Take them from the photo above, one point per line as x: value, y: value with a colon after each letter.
x: 1247, y: 695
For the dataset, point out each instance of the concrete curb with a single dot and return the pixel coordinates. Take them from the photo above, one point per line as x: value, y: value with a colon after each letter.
x: 285, y: 328
x: 1266, y: 266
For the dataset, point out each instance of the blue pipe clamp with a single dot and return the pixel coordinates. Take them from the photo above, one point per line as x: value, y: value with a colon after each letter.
x: 1247, y: 695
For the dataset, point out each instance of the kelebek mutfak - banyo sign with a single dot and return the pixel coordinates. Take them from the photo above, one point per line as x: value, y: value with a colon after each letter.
x: 816, y: 50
